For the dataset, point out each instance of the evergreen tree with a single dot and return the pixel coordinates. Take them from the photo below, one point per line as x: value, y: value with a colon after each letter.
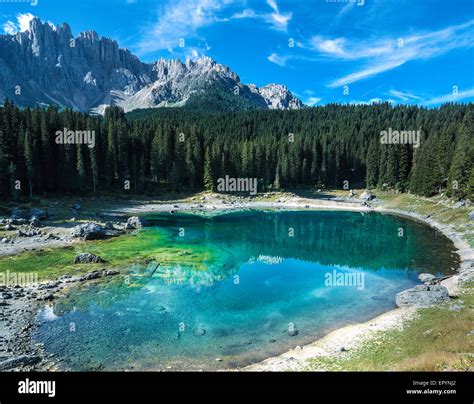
x: 208, y: 175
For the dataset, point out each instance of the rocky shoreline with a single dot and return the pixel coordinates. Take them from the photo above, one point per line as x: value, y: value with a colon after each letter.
x: 19, y: 305
x: 18, y: 310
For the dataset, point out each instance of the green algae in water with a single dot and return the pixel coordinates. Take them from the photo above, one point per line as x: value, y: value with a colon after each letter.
x: 145, y: 245
x: 230, y: 288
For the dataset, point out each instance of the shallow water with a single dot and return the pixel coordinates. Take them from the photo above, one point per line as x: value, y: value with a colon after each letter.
x: 265, y: 287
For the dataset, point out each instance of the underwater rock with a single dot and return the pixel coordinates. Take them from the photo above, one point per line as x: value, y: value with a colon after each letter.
x: 293, y: 332
x: 199, y: 332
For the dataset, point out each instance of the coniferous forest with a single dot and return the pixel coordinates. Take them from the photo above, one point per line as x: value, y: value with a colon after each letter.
x: 183, y: 150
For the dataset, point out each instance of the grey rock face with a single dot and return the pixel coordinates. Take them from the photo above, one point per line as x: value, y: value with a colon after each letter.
x: 278, y: 96
x: 89, y: 73
x: 422, y: 296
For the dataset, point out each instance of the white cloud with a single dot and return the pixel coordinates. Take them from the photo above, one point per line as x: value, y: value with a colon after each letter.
x: 340, y: 48
x: 367, y: 72
x: 22, y: 24
x: 348, y: 7
x: 181, y: 20
x: 451, y: 97
x: 311, y: 101
x: 329, y: 46
x: 276, y: 19
x: 279, y: 20
x: 277, y: 59
x: 404, y: 95
x: 247, y: 13
x: 387, y: 54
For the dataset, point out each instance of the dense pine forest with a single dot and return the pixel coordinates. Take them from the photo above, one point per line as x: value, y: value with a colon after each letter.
x: 150, y: 151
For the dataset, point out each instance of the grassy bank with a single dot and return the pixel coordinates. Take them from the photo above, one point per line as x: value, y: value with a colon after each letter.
x: 439, y: 338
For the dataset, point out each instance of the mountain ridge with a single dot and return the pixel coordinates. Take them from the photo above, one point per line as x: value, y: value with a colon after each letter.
x: 47, y: 65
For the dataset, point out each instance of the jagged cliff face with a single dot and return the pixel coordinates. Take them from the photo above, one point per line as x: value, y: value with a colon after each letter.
x: 47, y: 65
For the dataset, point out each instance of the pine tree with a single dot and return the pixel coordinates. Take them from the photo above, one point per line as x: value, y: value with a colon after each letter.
x: 460, y: 174
x: 208, y: 175
x: 276, y: 183
x: 372, y: 171
x: 30, y: 163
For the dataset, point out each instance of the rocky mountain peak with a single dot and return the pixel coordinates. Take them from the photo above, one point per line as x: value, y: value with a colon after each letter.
x: 91, y: 72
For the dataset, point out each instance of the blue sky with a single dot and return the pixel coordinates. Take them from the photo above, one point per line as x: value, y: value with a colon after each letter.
x: 406, y: 51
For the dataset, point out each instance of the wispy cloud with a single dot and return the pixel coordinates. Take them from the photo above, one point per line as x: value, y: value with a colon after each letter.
x: 277, y: 59
x: 280, y: 20
x: 405, y: 96
x: 387, y: 54
x: 451, y: 97
x: 275, y: 18
x: 181, y: 20
x: 311, y: 101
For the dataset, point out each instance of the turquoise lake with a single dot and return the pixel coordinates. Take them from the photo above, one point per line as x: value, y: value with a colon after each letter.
x: 268, y: 286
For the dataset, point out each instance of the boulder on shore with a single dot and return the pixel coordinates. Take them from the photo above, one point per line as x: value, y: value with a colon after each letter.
x: 423, y: 296
x: 88, y: 231
x: 135, y: 222
x: 35, y: 222
x: 426, y: 277
x: 87, y: 258
x: 367, y: 196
